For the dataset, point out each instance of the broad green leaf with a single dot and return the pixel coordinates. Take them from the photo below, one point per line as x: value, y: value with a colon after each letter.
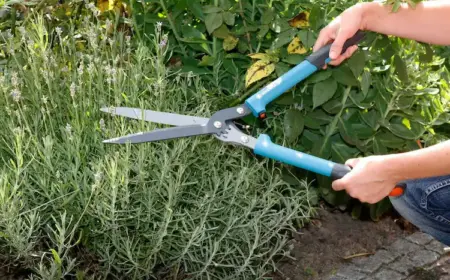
x: 406, y: 129
x: 229, y: 18
x: 400, y: 68
x: 365, y: 82
x: 333, y: 106
x: 389, y: 140
x: 213, y: 21
x: 208, y: 9
x: 317, y: 118
x: 345, y: 76
x: 267, y: 17
x: 378, y: 147
x: 293, y: 124
x: 427, y: 57
x: 322, y: 148
x: 370, y: 117
x: 279, y: 25
x: 206, y: 61
x: 324, y: 91
x: 309, y: 138
x: 283, y: 38
x: 357, y: 62
x: 308, y: 38
x: 281, y: 68
x: 196, y: 9
x: 294, y: 59
x: 222, y: 32
x: 319, y: 76
x: 341, y: 152
x: 263, y: 31
x: 316, y: 17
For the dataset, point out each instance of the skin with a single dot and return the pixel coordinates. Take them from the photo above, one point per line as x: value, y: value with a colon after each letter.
x: 373, y: 178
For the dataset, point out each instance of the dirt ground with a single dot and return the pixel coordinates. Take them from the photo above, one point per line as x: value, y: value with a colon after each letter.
x: 332, y: 239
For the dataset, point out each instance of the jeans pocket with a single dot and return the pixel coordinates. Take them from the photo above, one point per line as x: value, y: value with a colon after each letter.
x: 436, y: 200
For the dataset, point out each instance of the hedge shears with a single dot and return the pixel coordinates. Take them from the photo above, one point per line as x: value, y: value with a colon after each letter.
x: 221, y: 124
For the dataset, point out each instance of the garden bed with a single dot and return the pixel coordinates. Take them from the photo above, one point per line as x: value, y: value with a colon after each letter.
x: 333, y: 239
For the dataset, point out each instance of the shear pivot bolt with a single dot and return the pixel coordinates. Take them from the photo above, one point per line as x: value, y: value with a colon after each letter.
x: 240, y: 110
x: 217, y: 124
x: 244, y: 139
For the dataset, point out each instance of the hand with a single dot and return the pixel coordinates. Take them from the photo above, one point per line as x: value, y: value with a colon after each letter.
x: 370, y: 180
x: 339, y: 30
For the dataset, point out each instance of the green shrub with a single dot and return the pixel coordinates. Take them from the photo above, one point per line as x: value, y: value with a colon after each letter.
x: 71, y: 205
x: 391, y: 94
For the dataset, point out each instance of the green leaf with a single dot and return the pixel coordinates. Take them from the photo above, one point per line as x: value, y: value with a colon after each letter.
x: 356, y: 63
x: 308, y: 38
x: 427, y: 57
x: 333, y: 106
x: 294, y: 59
x: 324, y: 91
x: 279, y: 25
x: 206, y: 61
x: 267, y: 17
x: 365, y: 82
x: 356, y: 211
x: 222, y: 32
x: 316, y: 17
x: 341, y: 152
x: 196, y: 9
x: 208, y: 9
x: 281, y: 68
x: 317, y: 118
x: 405, y: 128
x: 370, y: 117
x: 293, y: 124
x: 229, y: 18
x: 56, y: 257
x: 319, y: 76
x: 213, y: 21
x: 378, y: 147
x: 345, y: 76
x: 400, y: 68
x: 389, y: 140
x: 283, y: 38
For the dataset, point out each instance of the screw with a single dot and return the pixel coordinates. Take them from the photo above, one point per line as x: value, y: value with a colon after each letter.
x: 244, y: 139
x: 217, y: 124
x: 240, y: 110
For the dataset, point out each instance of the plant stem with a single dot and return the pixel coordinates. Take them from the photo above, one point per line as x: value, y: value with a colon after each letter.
x: 245, y: 26
x: 172, y: 25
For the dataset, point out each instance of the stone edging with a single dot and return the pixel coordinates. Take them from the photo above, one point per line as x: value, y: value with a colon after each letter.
x: 398, y: 261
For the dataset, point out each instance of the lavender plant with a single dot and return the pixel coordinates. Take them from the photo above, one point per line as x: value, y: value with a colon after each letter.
x: 73, y: 207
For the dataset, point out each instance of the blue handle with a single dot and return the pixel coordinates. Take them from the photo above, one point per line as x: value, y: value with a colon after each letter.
x: 265, y: 147
x: 258, y: 102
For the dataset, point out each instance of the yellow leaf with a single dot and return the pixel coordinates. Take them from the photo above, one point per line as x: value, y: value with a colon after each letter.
x: 230, y: 43
x: 259, y: 70
x: 406, y: 123
x: 108, y: 5
x: 296, y: 47
x: 262, y: 56
x: 300, y: 20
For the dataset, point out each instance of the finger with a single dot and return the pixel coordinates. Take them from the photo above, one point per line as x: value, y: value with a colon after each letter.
x: 347, y: 54
x: 338, y: 185
x: 338, y: 43
x: 323, y: 39
x: 352, y: 162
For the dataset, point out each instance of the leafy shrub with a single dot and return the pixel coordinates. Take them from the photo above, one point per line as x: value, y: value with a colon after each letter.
x: 72, y: 206
x: 388, y: 98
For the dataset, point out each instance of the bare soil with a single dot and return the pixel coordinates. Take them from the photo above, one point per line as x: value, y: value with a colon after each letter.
x: 333, y: 239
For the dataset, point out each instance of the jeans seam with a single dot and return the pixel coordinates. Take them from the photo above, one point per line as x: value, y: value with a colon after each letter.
x: 424, y: 200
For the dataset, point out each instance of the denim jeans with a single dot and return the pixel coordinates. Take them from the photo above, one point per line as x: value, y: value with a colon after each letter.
x: 426, y: 204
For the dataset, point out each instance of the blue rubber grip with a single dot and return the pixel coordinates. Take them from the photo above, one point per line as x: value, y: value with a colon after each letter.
x: 264, y: 147
x: 258, y: 101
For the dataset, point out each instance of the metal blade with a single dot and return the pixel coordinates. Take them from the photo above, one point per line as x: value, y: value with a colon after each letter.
x: 162, y: 134
x: 155, y: 116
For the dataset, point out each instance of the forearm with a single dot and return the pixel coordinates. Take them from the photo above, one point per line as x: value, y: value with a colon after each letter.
x: 428, y: 22
x: 428, y: 162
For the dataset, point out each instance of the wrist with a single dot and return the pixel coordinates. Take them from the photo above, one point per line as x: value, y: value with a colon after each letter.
x: 369, y: 15
x: 397, y: 167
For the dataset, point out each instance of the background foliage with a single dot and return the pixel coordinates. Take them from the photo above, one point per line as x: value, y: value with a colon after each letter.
x: 391, y: 96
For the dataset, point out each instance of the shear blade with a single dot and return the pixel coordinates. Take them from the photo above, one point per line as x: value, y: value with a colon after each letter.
x: 155, y: 116
x: 161, y: 134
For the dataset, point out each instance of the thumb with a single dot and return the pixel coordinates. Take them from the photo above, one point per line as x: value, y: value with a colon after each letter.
x: 338, y: 43
x: 352, y: 162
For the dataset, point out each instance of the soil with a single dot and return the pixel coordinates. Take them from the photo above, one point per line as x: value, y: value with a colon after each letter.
x: 332, y: 239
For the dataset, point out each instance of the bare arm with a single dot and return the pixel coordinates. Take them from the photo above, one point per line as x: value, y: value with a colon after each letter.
x: 428, y: 22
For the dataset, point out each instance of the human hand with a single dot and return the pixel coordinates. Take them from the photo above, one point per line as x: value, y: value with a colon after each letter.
x: 370, y: 180
x: 339, y: 30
